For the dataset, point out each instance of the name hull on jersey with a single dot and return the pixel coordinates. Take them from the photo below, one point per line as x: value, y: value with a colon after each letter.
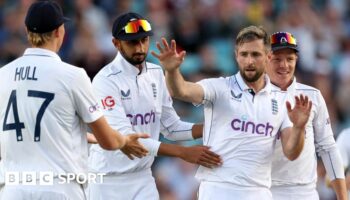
x: 251, y: 127
x: 25, y: 73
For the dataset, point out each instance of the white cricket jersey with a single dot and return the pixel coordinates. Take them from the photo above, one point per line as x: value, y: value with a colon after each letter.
x: 44, y: 106
x: 134, y: 102
x: 344, y: 147
x: 318, y: 138
x: 241, y: 128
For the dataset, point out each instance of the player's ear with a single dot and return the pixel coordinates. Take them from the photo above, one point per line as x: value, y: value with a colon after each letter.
x: 116, y: 43
x: 269, y: 55
x: 60, y: 30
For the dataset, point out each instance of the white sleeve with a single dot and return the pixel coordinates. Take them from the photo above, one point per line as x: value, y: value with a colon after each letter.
x: 84, y: 100
x: 209, y: 88
x: 344, y: 147
x: 110, y: 102
x: 324, y: 141
x: 171, y: 126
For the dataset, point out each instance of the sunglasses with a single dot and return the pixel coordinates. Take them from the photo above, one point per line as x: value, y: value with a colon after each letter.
x: 283, y: 38
x: 133, y: 26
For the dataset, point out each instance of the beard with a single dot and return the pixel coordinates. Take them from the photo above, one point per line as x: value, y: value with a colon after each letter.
x: 135, y: 59
x: 251, y: 79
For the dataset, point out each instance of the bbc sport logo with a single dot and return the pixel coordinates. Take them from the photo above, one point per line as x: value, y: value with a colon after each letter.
x: 49, y: 178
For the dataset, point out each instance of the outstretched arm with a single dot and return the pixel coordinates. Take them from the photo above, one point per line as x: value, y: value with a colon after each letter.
x: 200, y: 155
x: 110, y: 139
x: 171, y: 60
x: 293, y: 138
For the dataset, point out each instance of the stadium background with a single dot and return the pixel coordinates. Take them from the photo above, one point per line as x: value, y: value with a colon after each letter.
x: 206, y: 30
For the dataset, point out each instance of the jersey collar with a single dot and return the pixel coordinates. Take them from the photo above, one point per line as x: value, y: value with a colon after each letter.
x: 126, y: 67
x: 291, y: 87
x: 41, y: 52
x: 244, y: 87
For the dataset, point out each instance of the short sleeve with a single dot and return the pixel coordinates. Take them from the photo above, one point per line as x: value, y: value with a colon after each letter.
x: 111, y: 105
x: 85, y: 103
x: 211, y: 88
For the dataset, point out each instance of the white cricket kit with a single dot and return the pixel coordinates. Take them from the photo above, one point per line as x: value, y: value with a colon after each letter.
x: 297, y: 179
x: 133, y: 102
x: 344, y: 149
x: 241, y: 128
x: 44, y: 106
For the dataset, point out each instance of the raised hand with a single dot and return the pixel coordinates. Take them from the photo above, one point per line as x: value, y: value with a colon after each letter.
x: 168, y: 57
x: 201, y: 155
x: 133, y: 147
x: 299, y: 115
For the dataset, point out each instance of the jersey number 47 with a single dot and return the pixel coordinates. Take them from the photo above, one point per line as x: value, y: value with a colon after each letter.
x: 17, y: 124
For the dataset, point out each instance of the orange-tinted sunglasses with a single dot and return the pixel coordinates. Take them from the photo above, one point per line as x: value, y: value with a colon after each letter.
x: 133, y: 26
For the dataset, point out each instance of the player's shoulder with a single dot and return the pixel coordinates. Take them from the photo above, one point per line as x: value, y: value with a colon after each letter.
x: 153, y: 66
x: 306, y: 88
x: 344, y: 134
x: 154, y: 69
x: 109, y: 70
x: 311, y: 92
x: 217, y: 80
x: 343, y: 138
x: 8, y: 65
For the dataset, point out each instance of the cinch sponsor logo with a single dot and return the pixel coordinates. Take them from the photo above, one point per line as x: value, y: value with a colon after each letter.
x: 251, y: 127
x: 141, y: 119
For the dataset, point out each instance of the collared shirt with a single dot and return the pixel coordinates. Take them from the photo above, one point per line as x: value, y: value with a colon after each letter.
x: 318, y: 138
x: 241, y: 127
x: 135, y: 102
x: 44, y: 106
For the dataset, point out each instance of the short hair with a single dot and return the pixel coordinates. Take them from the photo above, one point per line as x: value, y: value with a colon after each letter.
x: 252, y: 33
x: 39, y: 39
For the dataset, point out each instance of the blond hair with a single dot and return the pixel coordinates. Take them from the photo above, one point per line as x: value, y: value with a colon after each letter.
x: 39, y: 39
x: 252, y: 33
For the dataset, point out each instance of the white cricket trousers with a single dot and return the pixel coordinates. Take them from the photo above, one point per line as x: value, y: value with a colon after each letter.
x: 67, y: 191
x: 131, y: 186
x: 301, y: 192
x: 227, y: 191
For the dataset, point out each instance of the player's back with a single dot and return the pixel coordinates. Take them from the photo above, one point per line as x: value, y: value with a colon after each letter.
x: 39, y: 111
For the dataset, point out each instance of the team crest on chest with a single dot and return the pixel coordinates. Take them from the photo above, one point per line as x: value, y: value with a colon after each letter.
x: 154, y: 90
x: 274, y: 106
x: 236, y: 97
x: 125, y: 95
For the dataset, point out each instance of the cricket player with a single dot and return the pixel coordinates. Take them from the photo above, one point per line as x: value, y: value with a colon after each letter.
x: 134, y: 98
x: 297, y: 179
x: 45, y: 105
x: 242, y: 118
x: 344, y: 149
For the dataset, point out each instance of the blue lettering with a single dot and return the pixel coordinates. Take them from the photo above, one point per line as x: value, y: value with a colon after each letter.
x: 18, y: 73
x: 25, y: 74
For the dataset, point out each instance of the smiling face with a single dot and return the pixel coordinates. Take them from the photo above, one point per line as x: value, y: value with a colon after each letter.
x: 281, y: 67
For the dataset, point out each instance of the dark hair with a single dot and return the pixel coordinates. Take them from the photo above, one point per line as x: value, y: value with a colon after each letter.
x: 252, y: 33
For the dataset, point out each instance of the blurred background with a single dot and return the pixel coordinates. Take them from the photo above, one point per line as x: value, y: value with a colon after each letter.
x: 206, y: 30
